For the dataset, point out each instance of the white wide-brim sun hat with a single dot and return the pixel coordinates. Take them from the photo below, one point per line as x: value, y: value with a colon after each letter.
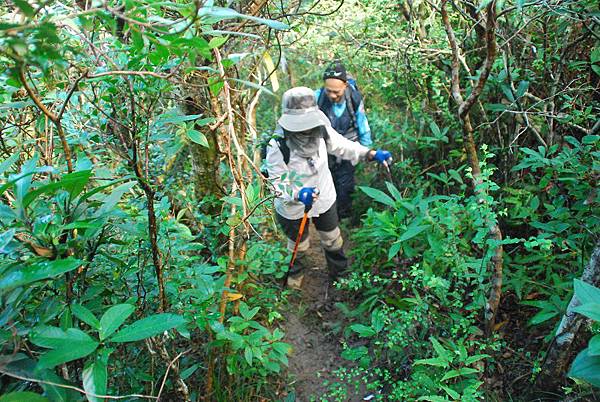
x: 300, y: 111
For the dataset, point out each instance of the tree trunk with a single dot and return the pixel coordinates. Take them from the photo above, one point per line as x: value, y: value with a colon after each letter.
x: 464, y: 107
x: 205, y: 160
x: 557, y: 358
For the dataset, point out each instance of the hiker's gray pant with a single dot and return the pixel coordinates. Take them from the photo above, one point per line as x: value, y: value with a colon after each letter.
x: 329, y: 234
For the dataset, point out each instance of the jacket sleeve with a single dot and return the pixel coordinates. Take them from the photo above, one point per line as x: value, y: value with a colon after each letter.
x: 342, y: 147
x: 364, y: 131
x: 279, y: 173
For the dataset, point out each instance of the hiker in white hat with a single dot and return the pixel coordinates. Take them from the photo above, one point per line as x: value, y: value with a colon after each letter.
x: 297, y: 165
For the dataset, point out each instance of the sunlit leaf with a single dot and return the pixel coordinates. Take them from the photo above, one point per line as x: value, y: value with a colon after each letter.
x: 66, y: 345
x: 23, y: 396
x: 197, y: 137
x: 147, y: 327
x: 378, y: 196
x: 586, y: 367
x: 33, y: 272
x: 113, y: 318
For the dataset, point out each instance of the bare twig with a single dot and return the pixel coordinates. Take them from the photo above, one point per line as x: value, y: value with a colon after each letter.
x: 162, y: 385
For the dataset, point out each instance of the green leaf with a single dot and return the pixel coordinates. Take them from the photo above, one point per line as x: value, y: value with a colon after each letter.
x: 586, y: 293
x: 362, y: 330
x: 246, y: 312
x: 460, y: 372
x: 455, y: 175
x: 440, y: 350
x: 115, y: 196
x: 590, y: 139
x: 594, y: 346
x: 495, y: 107
x: 354, y: 354
x: 507, y: 92
x: 475, y: 358
x: 215, y: 86
x: 595, y: 55
x: 33, y: 272
x: 378, y: 195
x: 67, y: 345
x: 252, y: 85
x: 411, y: 232
x: 452, y: 393
x: 176, y: 119
x: 20, y: 180
x: 393, y: 191
x: 590, y: 310
x: 85, y: 315
x: 197, y: 137
x: 6, y: 238
x: 394, y: 249
x: 217, y: 42
x: 433, y: 398
x: 523, y: 86
x: 435, y: 129
x: 6, y: 164
x: 377, y: 320
x: 185, y: 374
x: 147, y: 327
x: 248, y: 355
x: 436, y: 361
x: 22, y: 397
x: 281, y: 347
x: 113, y: 318
x: 73, y: 183
x: 25, y: 7
x: 586, y: 367
x: 542, y: 316
x: 95, y: 379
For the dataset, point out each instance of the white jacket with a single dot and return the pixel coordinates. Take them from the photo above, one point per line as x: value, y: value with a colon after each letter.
x: 289, y: 179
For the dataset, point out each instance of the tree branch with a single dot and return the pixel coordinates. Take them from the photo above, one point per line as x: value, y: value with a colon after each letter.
x: 54, y: 118
x: 490, y: 38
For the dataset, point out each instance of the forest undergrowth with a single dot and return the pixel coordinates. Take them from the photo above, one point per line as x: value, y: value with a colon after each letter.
x: 140, y: 255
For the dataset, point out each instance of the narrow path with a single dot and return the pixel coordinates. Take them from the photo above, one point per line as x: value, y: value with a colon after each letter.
x: 313, y: 329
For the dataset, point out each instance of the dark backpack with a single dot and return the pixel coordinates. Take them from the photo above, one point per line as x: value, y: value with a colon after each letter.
x: 283, y: 148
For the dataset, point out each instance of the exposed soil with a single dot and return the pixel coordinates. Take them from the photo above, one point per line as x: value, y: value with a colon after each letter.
x: 313, y: 329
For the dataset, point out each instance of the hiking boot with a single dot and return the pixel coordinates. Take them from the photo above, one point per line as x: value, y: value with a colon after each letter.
x: 295, y: 281
x: 337, y: 262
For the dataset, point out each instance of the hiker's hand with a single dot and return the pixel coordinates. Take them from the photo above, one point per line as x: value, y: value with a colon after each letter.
x: 307, y: 195
x: 381, y: 156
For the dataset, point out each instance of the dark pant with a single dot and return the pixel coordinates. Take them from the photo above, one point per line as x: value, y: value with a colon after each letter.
x: 329, y: 234
x: 343, y: 179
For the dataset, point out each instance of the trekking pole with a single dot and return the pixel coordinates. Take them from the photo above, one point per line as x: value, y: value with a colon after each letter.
x: 388, y: 171
x: 300, y: 233
x: 307, y: 208
x: 389, y: 174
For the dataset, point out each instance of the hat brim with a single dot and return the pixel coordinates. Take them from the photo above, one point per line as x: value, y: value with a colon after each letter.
x: 302, y: 122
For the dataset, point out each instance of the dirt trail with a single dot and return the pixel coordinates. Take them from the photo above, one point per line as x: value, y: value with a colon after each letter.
x: 313, y: 329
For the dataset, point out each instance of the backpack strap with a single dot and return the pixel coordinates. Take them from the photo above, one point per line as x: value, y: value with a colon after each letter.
x: 350, y: 104
x: 322, y: 98
x: 283, y: 147
x: 324, y: 133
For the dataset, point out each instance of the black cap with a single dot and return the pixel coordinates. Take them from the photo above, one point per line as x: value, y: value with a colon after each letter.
x: 336, y: 70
